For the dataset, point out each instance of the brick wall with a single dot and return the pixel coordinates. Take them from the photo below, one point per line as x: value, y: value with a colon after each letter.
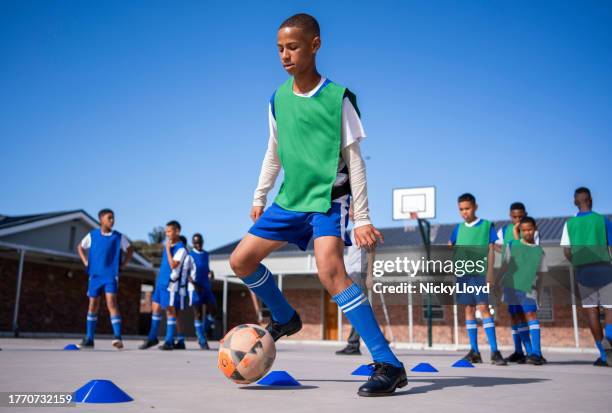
x: 51, y: 301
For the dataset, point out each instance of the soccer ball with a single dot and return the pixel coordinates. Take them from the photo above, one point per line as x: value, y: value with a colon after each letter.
x: 246, y: 353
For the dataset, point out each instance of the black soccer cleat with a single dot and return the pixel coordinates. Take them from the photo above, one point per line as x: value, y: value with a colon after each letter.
x: 167, y: 346
x: 497, y: 359
x: 349, y: 351
x: 291, y: 327
x: 179, y: 345
x: 384, y: 380
x: 607, y: 345
x: 515, y: 357
x: 535, y: 360
x: 600, y: 363
x: 148, y: 344
x: 473, y: 357
x: 204, y: 345
x: 86, y: 344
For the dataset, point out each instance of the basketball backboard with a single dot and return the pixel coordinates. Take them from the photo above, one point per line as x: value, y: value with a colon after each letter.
x: 407, y: 201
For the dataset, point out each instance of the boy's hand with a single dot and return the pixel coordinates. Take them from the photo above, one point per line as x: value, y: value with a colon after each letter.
x: 367, y: 236
x: 256, y: 212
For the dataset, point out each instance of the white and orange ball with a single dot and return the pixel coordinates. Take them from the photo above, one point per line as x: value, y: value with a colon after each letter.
x: 246, y: 353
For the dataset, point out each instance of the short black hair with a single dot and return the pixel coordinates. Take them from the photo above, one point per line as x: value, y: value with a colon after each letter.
x: 517, y: 205
x: 198, y: 236
x: 174, y: 224
x: 183, y: 240
x: 105, y: 211
x: 304, y: 21
x: 528, y: 220
x: 582, y: 190
x: 467, y: 197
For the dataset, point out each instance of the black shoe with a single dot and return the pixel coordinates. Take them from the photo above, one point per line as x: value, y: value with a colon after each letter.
x: 86, y: 344
x: 544, y: 361
x: 179, y: 345
x: 535, y: 360
x: 204, y: 345
x: 149, y: 343
x: 473, y: 357
x: 600, y: 363
x: 498, y: 359
x: 607, y: 345
x: 167, y: 346
x: 291, y: 327
x: 384, y: 380
x: 349, y: 351
x: 515, y: 357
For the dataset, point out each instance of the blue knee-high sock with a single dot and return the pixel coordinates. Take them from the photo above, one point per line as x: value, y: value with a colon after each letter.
x: 209, y: 322
x: 199, y: 328
x: 608, y: 331
x: 489, y: 327
x: 170, y: 329
x: 356, y: 307
x: 516, y: 338
x: 92, y: 319
x: 534, y: 333
x: 116, y: 323
x: 262, y: 283
x: 472, y: 331
x: 155, y: 321
x: 602, y: 351
x: 523, y: 330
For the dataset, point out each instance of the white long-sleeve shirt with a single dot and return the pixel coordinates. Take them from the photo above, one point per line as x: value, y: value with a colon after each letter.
x: 350, y: 156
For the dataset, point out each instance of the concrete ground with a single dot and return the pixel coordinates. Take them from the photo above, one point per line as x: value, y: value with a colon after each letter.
x: 188, y: 381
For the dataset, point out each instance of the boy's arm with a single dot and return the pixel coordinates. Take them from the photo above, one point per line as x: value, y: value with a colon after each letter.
x: 270, y: 169
x: 82, y: 255
x: 129, y: 251
x: 84, y: 245
x: 366, y: 234
x: 175, y: 260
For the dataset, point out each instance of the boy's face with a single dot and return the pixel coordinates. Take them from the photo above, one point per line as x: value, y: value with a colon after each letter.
x: 107, y: 220
x: 516, y: 215
x: 172, y: 233
x: 467, y: 210
x: 297, y: 49
x: 197, y: 243
x: 528, y: 231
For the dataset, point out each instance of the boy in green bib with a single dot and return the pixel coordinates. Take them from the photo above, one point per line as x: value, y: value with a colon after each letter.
x: 524, y: 263
x: 315, y: 130
x: 520, y: 326
x: 586, y: 239
x: 473, y: 242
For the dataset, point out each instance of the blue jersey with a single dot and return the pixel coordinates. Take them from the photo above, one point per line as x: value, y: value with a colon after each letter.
x: 104, y: 255
x: 202, y: 267
x: 163, y: 276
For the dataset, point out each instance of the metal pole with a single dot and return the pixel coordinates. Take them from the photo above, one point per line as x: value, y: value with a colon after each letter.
x: 455, y: 325
x: 18, y: 293
x: 425, y: 229
x: 410, y: 322
x: 574, y: 310
x: 225, y: 285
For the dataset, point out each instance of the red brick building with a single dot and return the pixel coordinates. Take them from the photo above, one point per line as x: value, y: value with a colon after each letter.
x: 43, y: 285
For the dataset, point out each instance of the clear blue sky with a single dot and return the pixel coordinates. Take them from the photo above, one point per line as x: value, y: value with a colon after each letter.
x: 158, y: 109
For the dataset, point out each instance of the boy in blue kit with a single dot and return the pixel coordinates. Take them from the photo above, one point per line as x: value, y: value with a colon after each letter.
x: 163, y: 299
x: 103, y: 263
x: 473, y: 241
x: 522, y: 279
x: 199, y: 288
x: 587, y: 239
x: 315, y: 132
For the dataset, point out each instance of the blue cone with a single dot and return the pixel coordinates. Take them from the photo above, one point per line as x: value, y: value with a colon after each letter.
x: 463, y: 363
x: 71, y: 347
x: 424, y: 368
x: 278, y: 378
x: 363, y: 370
x: 101, y: 391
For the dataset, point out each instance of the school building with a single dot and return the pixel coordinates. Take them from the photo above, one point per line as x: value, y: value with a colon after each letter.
x: 563, y: 324
x: 43, y: 284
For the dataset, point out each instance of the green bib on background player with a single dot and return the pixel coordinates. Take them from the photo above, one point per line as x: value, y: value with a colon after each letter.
x: 508, y: 236
x: 588, y: 239
x: 524, y: 263
x: 309, y: 139
x: 473, y: 243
